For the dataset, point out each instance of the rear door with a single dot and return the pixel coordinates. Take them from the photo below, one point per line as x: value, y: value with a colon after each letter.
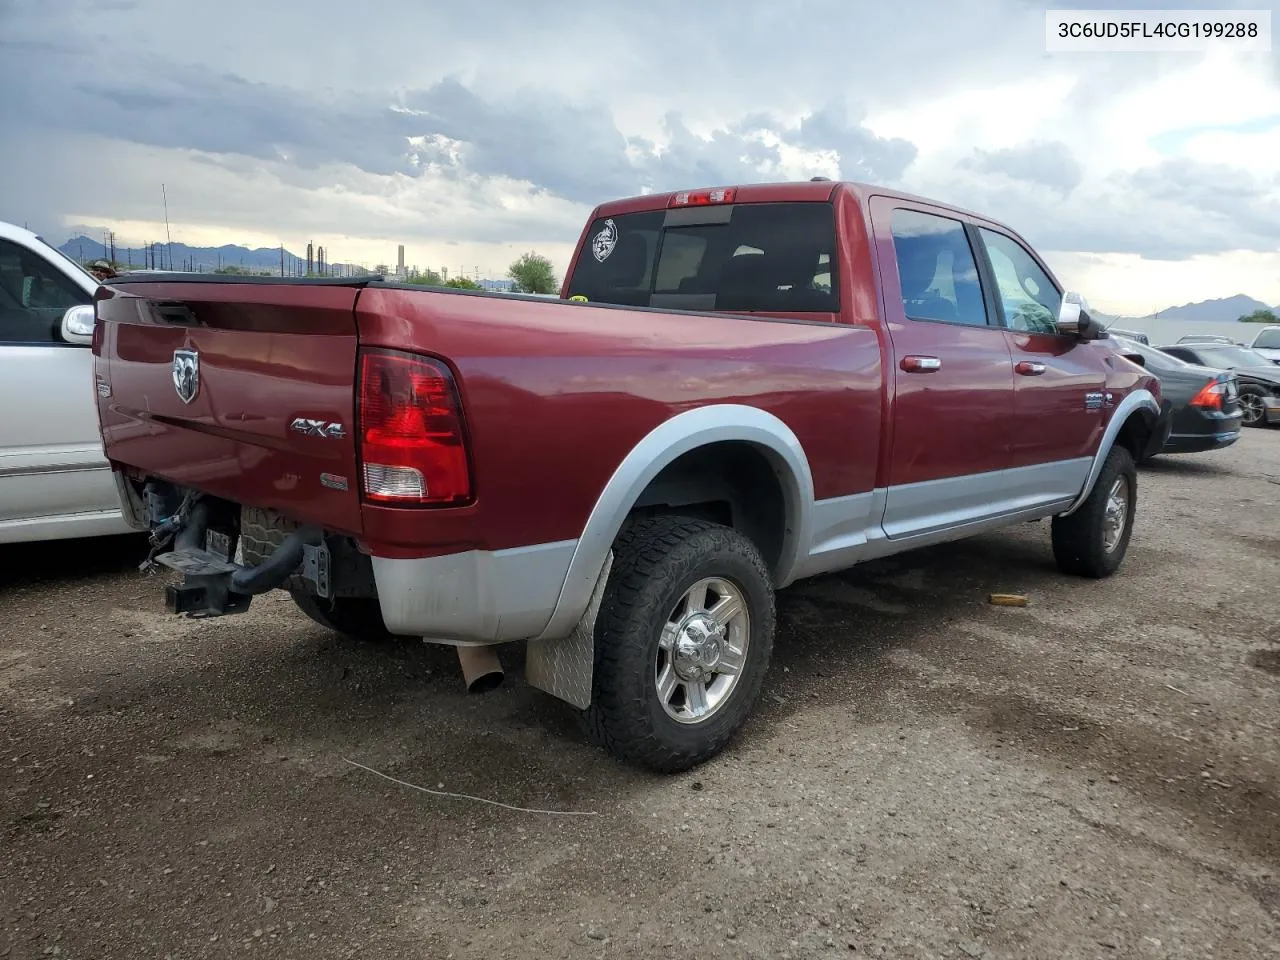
x: 1061, y: 404
x: 241, y: 389
x: 952, y: 373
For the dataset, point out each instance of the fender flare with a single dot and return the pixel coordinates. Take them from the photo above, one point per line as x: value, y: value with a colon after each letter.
x: 1140, y: 401
x: 663, y: 444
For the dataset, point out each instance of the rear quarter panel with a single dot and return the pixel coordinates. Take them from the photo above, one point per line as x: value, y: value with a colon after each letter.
x: 556, y: 394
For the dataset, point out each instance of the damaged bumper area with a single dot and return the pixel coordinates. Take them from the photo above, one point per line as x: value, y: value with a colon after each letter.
x: 471, y: 600
x: 213, y: 584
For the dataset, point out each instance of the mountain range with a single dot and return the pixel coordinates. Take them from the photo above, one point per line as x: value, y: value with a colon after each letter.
x: 1224, y: 309
x: 179, y: 256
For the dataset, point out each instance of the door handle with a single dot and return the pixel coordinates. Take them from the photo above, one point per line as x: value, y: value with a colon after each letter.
x: 920, y: 364
x: 1029, y: 368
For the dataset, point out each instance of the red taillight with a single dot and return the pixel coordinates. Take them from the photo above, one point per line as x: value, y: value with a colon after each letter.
x: 1210, y: 395
x: 701, y: 198
x: 413, y: 448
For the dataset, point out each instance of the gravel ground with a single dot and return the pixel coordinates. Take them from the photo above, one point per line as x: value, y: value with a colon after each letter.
x: 927, y: 775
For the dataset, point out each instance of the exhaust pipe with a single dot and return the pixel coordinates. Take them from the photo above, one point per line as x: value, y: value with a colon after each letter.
x: 481, y: 668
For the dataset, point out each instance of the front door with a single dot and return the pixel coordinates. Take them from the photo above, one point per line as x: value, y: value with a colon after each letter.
x: 51, y: 459
x: 952, y: 373
x: 1061, y: 404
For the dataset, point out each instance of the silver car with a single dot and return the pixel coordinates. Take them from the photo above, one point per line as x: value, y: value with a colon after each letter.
x: 54, y: 478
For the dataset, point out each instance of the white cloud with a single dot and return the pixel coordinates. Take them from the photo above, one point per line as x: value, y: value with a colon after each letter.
x: 272, y: 126
x: 1128, y: 285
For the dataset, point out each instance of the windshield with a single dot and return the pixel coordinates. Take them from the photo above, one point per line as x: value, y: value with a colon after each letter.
x: 79, y: 269
x: 1268, y: 339
x: 1232, y: 357
x: 743, y: 257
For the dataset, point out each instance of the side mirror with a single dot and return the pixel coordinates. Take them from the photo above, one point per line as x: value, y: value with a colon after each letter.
x: 77, y: 324
x: 1073, y: 316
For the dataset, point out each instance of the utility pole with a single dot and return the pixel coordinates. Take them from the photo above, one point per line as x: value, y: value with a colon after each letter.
x: 282, y: 259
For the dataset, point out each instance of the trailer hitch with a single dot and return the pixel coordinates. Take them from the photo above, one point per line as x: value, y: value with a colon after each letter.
x: 215, y: 585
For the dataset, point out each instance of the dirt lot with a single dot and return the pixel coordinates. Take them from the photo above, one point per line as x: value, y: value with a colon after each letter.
x: 1095, y: 775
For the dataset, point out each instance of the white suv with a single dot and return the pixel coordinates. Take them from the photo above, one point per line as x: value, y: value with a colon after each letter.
x: 1267, y: 343
x: 54, y: 478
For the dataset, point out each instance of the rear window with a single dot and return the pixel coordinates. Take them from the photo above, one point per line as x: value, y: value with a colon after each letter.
x: 775, y: 257
x: 1155, y: 359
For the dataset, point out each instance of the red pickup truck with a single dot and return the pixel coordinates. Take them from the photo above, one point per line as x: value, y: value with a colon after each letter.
x: 764, y: 383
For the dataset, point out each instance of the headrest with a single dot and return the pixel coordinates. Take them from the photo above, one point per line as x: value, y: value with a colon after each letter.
x: 917, y: 264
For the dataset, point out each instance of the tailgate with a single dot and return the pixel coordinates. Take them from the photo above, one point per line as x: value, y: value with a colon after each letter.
x: 240, y: 389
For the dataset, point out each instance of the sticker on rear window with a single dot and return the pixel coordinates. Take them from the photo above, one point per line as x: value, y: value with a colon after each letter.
x: 602, y: 243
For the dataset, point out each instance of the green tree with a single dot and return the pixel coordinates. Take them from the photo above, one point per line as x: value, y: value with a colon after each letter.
x: 1260, y: 316
x: 462, y: 283
x: 428, y: 278
x: 533, y: 273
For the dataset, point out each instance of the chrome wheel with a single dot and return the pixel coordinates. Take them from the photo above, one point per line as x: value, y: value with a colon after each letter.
x: 1115, y: 514
x: 702, y: 650
x: 1251, y: 406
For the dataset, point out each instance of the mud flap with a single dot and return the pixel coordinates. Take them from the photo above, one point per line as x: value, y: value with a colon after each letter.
x: 564, y: 667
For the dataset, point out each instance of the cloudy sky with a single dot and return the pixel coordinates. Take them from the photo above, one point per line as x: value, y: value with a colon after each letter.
x: 473, y: 131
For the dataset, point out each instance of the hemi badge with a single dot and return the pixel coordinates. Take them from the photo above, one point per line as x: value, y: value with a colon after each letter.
x: 333, y: 481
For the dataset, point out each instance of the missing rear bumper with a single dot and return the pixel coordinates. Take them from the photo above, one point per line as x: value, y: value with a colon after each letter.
x: 214, y: 585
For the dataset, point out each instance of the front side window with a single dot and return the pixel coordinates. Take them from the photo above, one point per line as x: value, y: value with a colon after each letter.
x: 936, y: 269
x: 33, y: 297
x: 1031, y: 301
x: 746, y: 257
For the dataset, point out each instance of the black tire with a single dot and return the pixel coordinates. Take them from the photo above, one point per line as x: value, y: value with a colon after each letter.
x: 657, y: 560
x: 1253, y: 404
x: 261, y: 531
x: 350, y: 616
x: 1080, y: 540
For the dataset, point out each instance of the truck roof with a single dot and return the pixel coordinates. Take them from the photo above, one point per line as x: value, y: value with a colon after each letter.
x: 780, y: 192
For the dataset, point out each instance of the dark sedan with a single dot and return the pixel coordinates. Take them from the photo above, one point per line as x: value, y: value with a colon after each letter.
x: 1258, y: 377
x: 1200, y: 408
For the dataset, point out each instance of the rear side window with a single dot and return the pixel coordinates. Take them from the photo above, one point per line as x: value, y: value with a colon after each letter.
x: 1155, y: 359
x: 936, y: 269
x: 774, y: 257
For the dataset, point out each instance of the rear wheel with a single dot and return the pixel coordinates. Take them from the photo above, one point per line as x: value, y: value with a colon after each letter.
x: 261, y: 532
x: 1092, y: 541
x: 1252, y: 405
x: 352, y: 616
x: 683, y: 641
